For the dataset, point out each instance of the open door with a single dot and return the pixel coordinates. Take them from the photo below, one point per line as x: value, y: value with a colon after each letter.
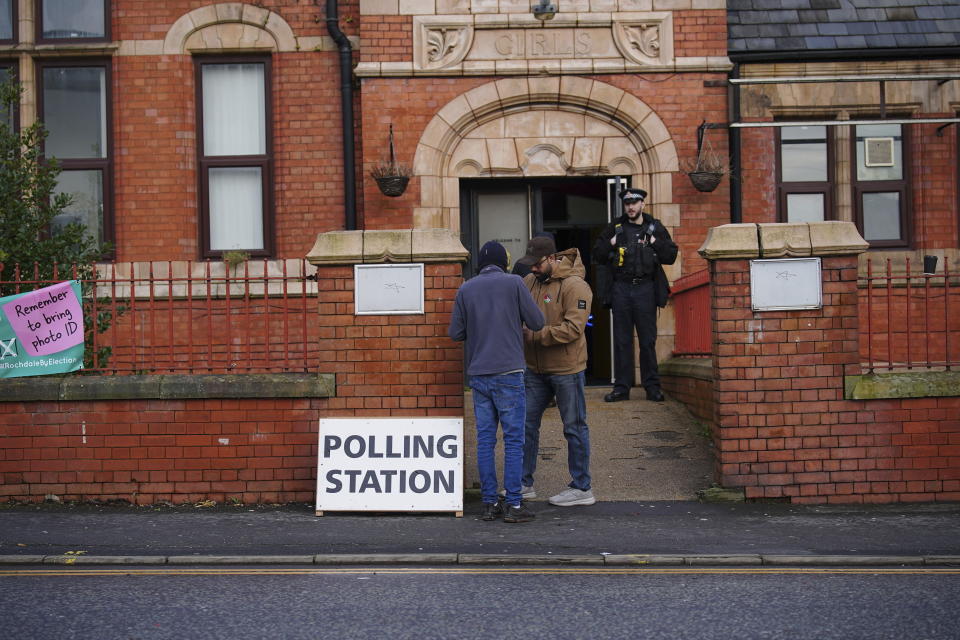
x: 574, y: 210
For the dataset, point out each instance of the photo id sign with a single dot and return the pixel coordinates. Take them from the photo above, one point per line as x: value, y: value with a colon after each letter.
x: 387, y: 289
x: 390, y: 464
x: 41, y: 332
x: 786, y: 283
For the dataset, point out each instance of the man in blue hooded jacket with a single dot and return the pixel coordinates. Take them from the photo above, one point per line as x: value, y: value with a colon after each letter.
x: 489, y: 313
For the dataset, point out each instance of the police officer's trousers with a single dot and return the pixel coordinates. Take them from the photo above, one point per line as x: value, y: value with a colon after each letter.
x: 634, y: 309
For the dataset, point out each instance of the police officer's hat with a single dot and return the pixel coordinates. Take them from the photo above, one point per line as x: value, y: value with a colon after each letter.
x: 632, y: 195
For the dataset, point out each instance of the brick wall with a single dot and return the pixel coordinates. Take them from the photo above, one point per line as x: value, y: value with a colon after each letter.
x: 783, y: 428
x: 391, y: 365
x: 147, y: 451
x: 156, y: 203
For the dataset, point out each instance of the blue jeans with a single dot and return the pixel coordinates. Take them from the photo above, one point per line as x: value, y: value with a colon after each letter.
x: 573, y: 412
x: 499, y: 398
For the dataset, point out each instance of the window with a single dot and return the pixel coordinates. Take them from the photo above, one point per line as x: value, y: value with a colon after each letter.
x: 235, y: 159
x: 73, y: 20
x: 75, y: 109
x: 805, y: 167
x: 8, y: 21
x: 880, y: 185
x: 8, y: 113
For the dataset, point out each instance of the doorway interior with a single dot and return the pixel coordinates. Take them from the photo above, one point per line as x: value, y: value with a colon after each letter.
x: 574, y: 209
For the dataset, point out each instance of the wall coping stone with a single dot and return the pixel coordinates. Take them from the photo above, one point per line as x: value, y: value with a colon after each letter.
x: 782, y: 240
x: 387, y: 245
x: 169, y: 387
x: 908, y: 384
x: 699, y: 368
x: 872, y: 386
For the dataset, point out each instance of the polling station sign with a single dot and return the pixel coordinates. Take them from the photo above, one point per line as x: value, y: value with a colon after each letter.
x: 390, y: 464
x: 41, y: 332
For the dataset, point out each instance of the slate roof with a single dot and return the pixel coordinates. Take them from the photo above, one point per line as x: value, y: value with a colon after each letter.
x: 757, y: 26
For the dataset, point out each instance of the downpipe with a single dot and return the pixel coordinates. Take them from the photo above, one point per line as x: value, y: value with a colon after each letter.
x: 346, y: 110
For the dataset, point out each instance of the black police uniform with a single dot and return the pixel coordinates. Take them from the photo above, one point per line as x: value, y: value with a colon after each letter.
x: 637, y: 286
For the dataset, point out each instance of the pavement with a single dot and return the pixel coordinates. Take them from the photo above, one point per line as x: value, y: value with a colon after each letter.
x: 649, y: 461
x: 607, y: 533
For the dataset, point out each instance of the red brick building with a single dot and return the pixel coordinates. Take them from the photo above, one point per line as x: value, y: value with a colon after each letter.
x: 192, y: 129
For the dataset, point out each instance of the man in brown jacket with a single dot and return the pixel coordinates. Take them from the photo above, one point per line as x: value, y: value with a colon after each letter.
x: 556, y: 358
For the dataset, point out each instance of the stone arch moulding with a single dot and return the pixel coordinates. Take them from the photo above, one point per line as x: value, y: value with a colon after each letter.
x: 229, y: 26
x: 562, y: 125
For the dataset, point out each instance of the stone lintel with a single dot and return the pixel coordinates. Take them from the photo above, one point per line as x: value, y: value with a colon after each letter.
x: 386, y: 245
x: 782, y: 240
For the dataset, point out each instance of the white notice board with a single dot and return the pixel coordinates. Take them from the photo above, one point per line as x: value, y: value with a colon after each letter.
x: 387, y: 289
x: 390, y: 464
x: 786, y: 283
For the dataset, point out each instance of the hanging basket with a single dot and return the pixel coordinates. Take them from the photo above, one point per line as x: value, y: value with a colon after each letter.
x: 705, y: 181
x: 391, y: 178
x: 392, y: 186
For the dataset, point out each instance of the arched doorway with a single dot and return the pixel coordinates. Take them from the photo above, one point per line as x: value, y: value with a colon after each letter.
x: 573, y: 209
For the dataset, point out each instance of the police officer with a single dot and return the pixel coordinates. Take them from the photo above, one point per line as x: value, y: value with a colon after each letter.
x: 634, y: 248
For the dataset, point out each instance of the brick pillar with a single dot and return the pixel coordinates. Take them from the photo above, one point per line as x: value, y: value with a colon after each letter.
x: 780, y: 415
x: 390, y: 365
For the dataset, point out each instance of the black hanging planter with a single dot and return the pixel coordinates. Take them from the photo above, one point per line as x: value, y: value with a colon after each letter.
x: 705, y: 181
x: 392, y: 186
x: 708, y: 169
x: 391, y: 178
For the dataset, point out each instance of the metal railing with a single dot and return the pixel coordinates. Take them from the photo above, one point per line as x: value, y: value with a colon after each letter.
x: 193, y: 317
x: 909, y: 319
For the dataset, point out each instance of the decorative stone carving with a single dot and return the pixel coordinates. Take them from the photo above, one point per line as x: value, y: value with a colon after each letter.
x: 453, y: 44
x: 441, y: 41
x: 644, y: 38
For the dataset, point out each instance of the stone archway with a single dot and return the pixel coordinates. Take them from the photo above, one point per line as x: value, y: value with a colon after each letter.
x: 229, y: 26
x: 559, y: 126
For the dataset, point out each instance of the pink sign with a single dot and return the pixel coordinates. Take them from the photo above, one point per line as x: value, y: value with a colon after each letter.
x: 47, y: 320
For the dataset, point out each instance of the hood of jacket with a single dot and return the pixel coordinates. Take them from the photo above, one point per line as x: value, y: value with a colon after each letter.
x: 568, y: 264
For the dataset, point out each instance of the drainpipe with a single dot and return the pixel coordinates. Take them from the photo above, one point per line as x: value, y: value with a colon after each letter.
x: 346, y: 109
x: 736, y: 184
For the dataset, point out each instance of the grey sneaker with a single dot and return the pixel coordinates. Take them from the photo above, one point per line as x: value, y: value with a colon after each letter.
x: 573, y: 497
x: 526, y: 493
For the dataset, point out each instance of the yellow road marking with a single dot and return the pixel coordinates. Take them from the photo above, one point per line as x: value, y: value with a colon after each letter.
x: 597, y: 571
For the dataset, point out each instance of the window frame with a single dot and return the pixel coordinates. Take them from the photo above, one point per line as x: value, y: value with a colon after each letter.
x: 14, y: 24
x: 825, y: 188
x: 105, y: 165
x: 38, y: 26
x: 901, y: 186
x: 263, y: 161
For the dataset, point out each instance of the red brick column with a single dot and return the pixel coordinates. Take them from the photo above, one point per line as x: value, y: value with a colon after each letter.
x: 782, y: 426
x: 390, y: 365
x: 779, y: 382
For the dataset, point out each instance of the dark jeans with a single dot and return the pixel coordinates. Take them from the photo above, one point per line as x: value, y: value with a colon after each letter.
x: 499, y: 398
x: 634, y: 309
x: 573, y: 412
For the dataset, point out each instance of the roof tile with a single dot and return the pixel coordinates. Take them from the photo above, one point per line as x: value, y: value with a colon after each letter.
x: 797, y: 25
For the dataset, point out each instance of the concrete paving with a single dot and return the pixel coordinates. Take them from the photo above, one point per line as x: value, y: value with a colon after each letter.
x: 640, y: 450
